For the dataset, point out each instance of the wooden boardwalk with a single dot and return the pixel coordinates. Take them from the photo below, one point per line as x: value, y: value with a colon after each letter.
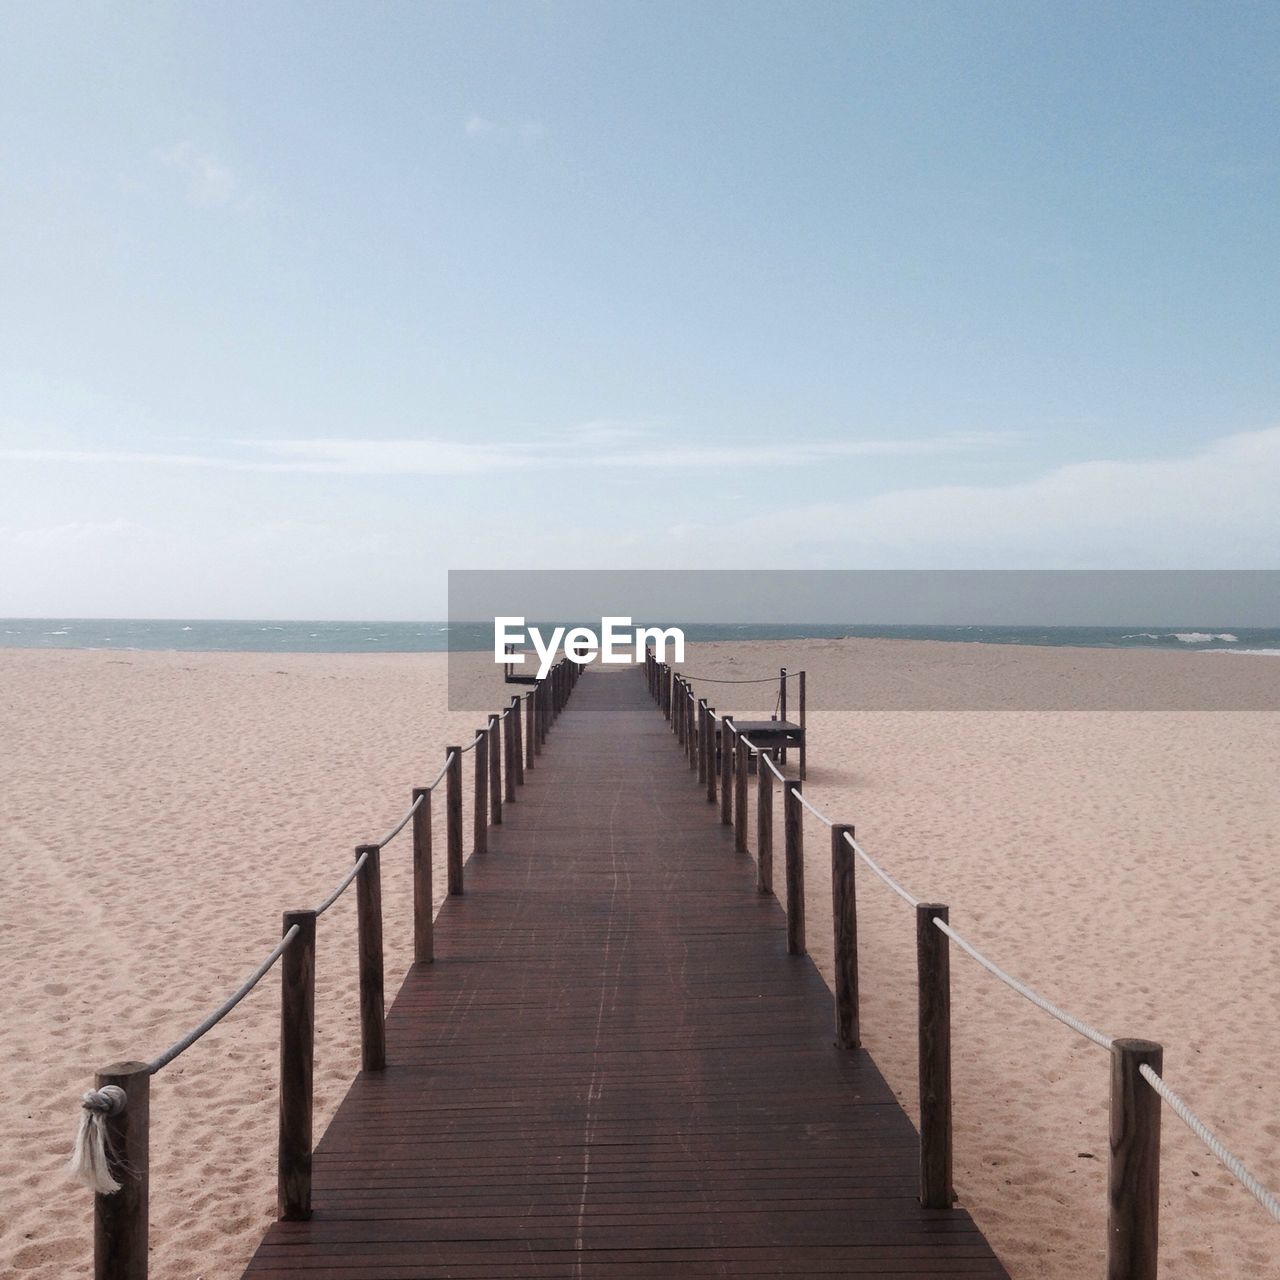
x: 613, y: 1068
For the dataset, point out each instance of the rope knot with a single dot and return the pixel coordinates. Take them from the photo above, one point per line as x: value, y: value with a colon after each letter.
x: 107, y: 1101
x: 91, y: 1159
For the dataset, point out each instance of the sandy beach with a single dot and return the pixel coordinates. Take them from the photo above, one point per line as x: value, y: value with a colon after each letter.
x: 160, y: 810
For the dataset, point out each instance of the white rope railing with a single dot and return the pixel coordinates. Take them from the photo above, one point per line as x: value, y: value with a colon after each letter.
x: 1267, y: 1199
x: 180, y: 1046
x: 813, y: 809
x: 1053, y: 1010
x: 1202, y: 1131
x: 880, y: 871
x: 120, y: 1225
x: 400, y: 826
x: 444, y: 768
x: 791, y: 675
x: 343, y: 884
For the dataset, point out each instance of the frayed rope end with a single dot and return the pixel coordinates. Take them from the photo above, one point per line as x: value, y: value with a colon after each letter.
x: 90, y: 1161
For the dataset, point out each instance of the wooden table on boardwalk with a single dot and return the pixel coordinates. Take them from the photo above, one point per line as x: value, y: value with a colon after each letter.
x: 613, y: 1067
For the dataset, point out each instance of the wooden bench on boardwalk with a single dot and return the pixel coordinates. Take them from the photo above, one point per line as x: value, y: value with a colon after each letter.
x: 613, y: 1066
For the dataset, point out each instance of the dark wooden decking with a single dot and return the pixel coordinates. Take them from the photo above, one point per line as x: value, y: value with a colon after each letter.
x: 613, y: 1068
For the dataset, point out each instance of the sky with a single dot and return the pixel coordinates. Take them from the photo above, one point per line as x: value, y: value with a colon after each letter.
x: 303, y: 305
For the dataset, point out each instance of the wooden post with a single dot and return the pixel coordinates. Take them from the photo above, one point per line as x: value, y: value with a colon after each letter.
x: 844, y: 917
x: 782, y: 708
x: 120, y: 1220
x: 703, y: 728
x: 297, y: 1067
x: 530, y: 729
x: 1133, y: 1181
x: 740, y: 796
x: 453, y: 818
x: 517, y: 742
x: 373, y: 1031
x: 764, y: 827
x: 695, y: 730
x: 494, y: 746
x: 804, y: 737
x: 423, y: 928
x: 933, y: 972
x: 480, y: 809
x: 793, y: 832
x: 678, y: 709
x: 714, y: 733
x: 506, y: 732
x: 728, y: 745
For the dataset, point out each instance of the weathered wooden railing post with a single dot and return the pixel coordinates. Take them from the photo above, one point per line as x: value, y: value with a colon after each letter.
x: 764, y: 826
x: 804, y: 737
x: 703, y: 734
x: 782, y: 708
x: 793, y: 833
x: 120, y: 1220
x: 507, y: 728
x: 297, y: 1068
x: 1133, y: 1176
x: 480, y: 807
x: 695, y: 730
x: 423, y: 928
x: 933, y: 969
x: 373, y: 1032
x: 453, y: 818
x: 844, y: 917
x: 728, y: 745
x: 494, y: 747
x: 677, y: 710
x: 530, y: 729
x: 540, y: 697
x: 517, y: 737
x: 740, y: 796
x: 715, y: 731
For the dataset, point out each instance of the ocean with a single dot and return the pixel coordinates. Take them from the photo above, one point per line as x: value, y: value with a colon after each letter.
x: 206, y: 636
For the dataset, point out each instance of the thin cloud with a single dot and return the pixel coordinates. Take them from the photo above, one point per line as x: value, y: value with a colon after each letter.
x: 1211, y: 508
x: 528, y: 130
x: 599, y: 444
x: 209, y: 182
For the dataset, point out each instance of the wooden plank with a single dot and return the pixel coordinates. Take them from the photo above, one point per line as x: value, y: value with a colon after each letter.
x: 614, y: 1067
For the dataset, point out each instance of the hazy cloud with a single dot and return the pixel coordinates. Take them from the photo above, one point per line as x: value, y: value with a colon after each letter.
x: 600, y: 443
x: 478, y: 126
x: 1213, y: 508
x: 208, y: 180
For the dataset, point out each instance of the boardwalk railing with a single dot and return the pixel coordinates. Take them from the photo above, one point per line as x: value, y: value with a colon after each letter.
x: 112, y: 1146
x: 714, y: 746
